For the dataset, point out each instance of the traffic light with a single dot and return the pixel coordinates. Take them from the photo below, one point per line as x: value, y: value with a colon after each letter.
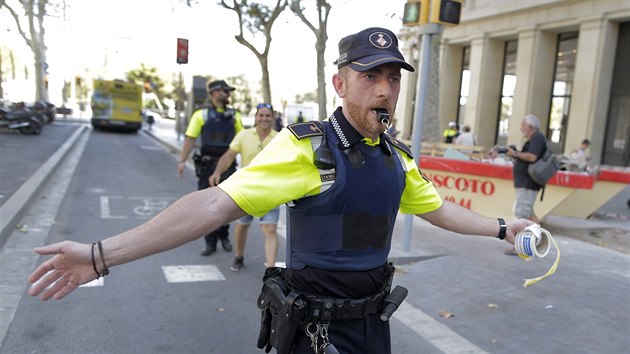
x: 411, y: 16
x: 445, y: 12
x: 416, y: 13
x: 182, y: 51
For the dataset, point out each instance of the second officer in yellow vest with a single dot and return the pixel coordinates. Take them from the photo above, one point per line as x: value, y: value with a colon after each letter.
x: 217, y: 124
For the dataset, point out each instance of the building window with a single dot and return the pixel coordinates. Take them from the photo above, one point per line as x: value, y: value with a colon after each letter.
x: 561, y: 94
x: 464, y: 84
x: 507, y: 92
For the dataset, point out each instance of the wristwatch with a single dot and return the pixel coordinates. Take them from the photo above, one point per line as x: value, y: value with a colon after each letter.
x: 502, y: 229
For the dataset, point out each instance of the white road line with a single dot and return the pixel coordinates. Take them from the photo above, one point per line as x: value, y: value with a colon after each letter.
x: 17, y: 253
x: 94, y: 283
x: 106, y: 212
x: 192, y: 273
x: 152, y: 147
x: 12, y: 206
x: 439, y: 335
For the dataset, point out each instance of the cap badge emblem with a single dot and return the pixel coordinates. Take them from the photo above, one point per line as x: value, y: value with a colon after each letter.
x: 380, y: 40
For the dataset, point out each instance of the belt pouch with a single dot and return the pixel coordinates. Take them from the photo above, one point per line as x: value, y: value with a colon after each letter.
x: 286, y: 323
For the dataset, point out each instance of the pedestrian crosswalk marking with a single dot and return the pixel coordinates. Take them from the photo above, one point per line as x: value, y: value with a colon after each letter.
x: 93, y: 283
x: 192, y: 273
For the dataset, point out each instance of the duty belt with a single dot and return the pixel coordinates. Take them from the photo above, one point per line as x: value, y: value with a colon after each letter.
x: 329, y: 308
x: 206, y: 159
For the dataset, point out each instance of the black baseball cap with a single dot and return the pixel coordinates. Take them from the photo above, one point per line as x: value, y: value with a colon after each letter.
x: 370, y: 48
x: 219, y: 85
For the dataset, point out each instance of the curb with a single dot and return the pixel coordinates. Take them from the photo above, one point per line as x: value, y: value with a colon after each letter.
x: 172, y: 147
x: 12, y: 210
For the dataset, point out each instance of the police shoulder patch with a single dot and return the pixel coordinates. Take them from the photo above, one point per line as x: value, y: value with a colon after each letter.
x: 305, y: 130
x: 402, y: 146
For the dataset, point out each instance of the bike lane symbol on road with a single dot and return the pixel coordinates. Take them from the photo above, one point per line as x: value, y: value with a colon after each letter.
x: 117, y: 207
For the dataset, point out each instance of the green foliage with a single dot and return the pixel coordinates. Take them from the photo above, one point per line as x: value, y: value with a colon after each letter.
x: 147, y: 75
x: 306, y: 97
x: 257, y: 17
x: 242, y: 96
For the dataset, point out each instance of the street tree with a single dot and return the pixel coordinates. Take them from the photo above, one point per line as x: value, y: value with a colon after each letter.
x: 30, y: 25
x: 257, y: 18
x: 7, y: 65
x: 153, y: 84
x: 306, y: 97
x: 241, y: 98
x: 321, y: 37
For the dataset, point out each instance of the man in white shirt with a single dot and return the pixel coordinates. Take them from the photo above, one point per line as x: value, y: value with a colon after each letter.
x: 466, y: 138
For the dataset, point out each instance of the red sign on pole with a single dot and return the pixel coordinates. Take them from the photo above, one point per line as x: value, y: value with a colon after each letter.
x: 182, y: 51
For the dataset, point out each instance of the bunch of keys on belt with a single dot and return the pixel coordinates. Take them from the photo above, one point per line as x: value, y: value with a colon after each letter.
x: 314, y: 333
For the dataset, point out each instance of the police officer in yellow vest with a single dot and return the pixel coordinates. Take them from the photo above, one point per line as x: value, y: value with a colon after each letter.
x: 217, y: 124
x: 344, y: 181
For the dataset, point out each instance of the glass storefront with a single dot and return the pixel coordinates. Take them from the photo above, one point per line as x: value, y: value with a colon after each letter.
x: 507, y: 92
x: 464, y: 85
x: 561, y: 93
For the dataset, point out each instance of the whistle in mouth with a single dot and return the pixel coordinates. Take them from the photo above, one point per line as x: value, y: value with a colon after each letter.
x: 383, y: 115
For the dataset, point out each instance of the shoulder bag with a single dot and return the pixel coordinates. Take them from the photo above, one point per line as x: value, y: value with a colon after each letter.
x: 544, y: 168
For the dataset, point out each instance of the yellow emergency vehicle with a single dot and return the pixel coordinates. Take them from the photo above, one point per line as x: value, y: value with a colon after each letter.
x: 116, y: 104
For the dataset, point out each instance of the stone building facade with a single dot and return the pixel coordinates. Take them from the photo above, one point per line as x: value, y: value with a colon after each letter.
x: 565, y: 61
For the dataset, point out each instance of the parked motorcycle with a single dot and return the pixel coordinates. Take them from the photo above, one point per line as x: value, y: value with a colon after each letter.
x: 24, y: 120
x: 44, y: 110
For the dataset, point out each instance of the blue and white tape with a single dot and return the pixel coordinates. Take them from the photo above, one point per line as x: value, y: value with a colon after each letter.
x: 534, y: 241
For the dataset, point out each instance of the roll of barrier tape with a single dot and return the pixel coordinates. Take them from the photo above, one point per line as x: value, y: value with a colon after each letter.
x: 534, y: 241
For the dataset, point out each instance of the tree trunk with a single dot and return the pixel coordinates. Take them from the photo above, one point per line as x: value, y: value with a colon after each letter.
x: 264, y: 23
x: 39, y: 55
x: 265, y: 85
x: 320, y: 47
x: 36, y: 29
x: 35, y: 12
x: 321, y: 37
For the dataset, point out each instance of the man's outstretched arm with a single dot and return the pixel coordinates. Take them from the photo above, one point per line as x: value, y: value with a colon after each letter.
x: 453, y: 217
x: 191, y: 217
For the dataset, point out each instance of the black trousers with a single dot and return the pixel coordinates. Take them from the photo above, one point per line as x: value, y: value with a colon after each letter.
x: 222, y: 232
x: 357, y: 336
x: 366, y: 336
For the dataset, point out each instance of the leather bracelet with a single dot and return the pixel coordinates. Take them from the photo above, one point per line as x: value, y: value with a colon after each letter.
x: 100, y: 250
x: 502, y: 229
x: 98, y: 275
